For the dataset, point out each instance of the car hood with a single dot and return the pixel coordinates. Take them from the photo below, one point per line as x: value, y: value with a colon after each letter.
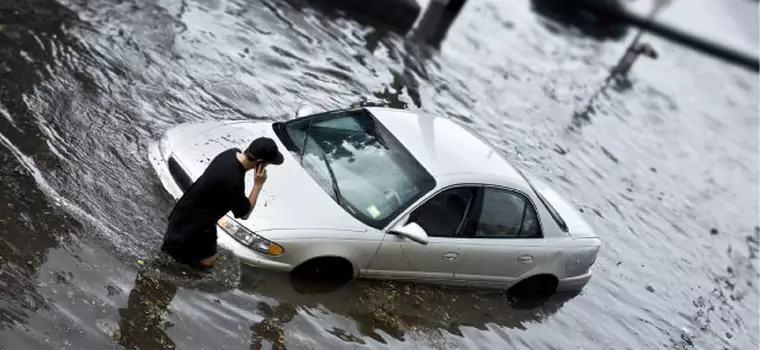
x: 290, y: 200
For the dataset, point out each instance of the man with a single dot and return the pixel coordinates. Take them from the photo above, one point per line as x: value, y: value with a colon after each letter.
x: 191, y: 236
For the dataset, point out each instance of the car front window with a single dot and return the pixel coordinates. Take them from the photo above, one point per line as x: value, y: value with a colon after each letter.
x: 375, y: 176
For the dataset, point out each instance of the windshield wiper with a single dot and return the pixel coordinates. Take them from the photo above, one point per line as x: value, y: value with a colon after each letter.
x: 338, y: 197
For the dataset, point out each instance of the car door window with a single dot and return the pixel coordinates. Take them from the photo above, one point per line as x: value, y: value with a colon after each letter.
x: 506, y: 214
x: 442, y: 215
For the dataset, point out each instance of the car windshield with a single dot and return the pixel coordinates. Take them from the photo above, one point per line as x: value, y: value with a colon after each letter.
x: 358, y: 162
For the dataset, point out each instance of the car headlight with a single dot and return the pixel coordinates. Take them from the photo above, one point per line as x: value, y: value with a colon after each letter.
x: 163, y: 146
x: 248, y: 238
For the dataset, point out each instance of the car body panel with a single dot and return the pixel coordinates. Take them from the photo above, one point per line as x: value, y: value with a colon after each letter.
x: 403, y: 259
x: 430, y: 139
x: 499, y: 262
x: 357, y: 250
x: 296, y: 212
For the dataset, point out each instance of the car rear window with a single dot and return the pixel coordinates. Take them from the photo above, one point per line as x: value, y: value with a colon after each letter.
x: 553, y: 212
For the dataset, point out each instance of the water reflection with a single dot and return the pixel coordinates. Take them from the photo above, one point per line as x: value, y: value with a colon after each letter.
x: 28, y: 57
x: 413, y: 60
x: 618, y: 79
x: 377, y: 308
x: 566, y: 13
x: 143, y: 322
x: 159, y: 63
x: 374, y: 37
x: 272, y: 328
x: 392, y: 307
x: 404, y: 81
x: 30, y: 223
x: 29, y: 227
x: 356, y: 11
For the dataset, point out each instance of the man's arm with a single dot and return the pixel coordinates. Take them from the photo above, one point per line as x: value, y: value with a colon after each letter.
x: 252, y: 198
x: 259, y: 177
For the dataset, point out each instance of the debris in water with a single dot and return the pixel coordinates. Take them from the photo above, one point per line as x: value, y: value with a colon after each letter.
x: 714, y: 231
x: 610, y: 155
x: 110, y: 328
x: 560, y: 150
x: 687, y: 339
x: 140, y: 262
x: 112, y: 290
x: 650, y: 289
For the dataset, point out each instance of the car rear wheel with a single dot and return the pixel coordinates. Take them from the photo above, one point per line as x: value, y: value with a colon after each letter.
x: 533, y: 291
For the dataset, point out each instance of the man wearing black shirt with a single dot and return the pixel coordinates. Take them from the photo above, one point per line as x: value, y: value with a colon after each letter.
x: 191, y: 236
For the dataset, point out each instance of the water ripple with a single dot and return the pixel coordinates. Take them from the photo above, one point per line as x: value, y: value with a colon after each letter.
x: 655, y: 168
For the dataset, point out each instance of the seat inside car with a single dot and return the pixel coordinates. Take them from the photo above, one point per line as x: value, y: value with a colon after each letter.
x: 441, y: 216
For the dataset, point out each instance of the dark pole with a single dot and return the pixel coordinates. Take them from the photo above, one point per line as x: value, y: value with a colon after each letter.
x: 436, y: 20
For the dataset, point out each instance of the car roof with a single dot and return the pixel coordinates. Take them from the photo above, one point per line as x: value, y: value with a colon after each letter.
x: 446, y: 147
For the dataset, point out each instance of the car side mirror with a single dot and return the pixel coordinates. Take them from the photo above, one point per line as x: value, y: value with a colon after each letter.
x: 304, y: 110
x: 413, y: 232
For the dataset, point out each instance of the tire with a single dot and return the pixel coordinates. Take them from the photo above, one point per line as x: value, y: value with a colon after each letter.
x: 532, y: 292
x: 321, y: 275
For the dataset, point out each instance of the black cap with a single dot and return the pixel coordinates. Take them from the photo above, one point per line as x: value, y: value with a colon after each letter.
x: 264, y: 149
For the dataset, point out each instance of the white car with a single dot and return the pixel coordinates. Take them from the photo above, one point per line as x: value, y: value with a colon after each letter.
x: 390, y: 194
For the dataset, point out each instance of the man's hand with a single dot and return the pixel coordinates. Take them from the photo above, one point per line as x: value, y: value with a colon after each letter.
x: 259, y: 176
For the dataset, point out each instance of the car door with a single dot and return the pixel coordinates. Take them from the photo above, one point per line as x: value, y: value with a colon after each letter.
x: 442, y: 217
x: 503, y: 239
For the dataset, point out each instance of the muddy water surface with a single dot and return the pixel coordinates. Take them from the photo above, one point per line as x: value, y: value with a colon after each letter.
x: 665, y: 169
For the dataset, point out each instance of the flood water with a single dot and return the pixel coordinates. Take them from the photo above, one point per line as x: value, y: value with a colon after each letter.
x: 666, y: 170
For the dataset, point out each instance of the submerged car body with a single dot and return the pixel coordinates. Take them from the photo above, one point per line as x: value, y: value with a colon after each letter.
x: 392, y: 195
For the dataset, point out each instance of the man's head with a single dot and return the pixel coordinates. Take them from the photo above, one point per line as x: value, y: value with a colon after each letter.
x: 263, y: 151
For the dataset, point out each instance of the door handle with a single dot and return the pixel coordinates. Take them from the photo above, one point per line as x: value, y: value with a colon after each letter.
x: 450, y: 256
x: 525, y: 259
